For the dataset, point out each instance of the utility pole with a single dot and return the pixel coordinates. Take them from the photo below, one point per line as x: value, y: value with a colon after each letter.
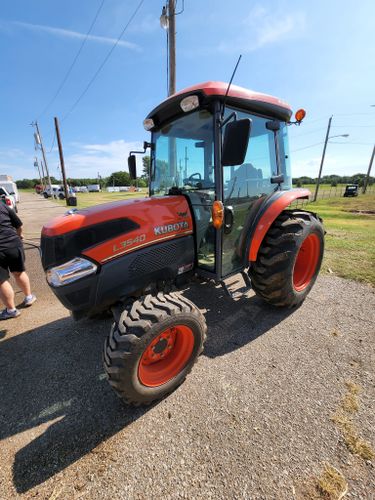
x: 36, y: 165
x: 43, y: 174
x: 172, y: 45
x: 40, y: 142
x: 186, y: 163
x: 322, y: 161
x: 62, y: 164
x: 368, y: 171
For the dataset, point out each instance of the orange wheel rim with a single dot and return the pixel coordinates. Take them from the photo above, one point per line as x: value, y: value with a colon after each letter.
x: 306, y: 262
x: 166, y: 356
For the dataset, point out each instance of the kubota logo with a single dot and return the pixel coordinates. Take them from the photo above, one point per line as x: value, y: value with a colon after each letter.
x: 169, y: 228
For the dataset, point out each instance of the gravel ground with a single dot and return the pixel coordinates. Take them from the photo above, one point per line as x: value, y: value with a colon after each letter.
x: 252, y: 421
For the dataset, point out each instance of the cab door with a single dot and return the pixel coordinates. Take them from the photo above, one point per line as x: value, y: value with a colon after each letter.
x: 243, y: 185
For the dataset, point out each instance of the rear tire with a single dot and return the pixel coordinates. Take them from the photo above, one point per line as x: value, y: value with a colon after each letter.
x: 289, y: 259
x: 152, y: 346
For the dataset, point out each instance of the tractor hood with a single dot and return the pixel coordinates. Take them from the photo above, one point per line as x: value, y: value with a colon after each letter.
x: 105, y: 232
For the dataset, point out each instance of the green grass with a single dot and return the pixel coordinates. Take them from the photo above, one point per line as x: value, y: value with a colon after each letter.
x: 350, y: 238
x: 85, y: 200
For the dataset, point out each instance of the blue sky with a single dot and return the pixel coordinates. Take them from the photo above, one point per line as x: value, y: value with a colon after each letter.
x: 318, y: 55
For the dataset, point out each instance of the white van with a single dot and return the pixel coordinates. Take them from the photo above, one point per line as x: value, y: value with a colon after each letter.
x: 12, y: 189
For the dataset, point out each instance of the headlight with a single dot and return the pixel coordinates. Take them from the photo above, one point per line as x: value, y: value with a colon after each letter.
x: 70, y: 271
x: 189, y: 103
x: 148, y: 124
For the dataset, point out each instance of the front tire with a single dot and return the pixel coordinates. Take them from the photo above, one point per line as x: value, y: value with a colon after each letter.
x: 289, y: 259
x: 152, y: 346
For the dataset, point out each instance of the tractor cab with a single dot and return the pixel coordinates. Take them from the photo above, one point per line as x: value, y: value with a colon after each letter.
x: 226, y: 152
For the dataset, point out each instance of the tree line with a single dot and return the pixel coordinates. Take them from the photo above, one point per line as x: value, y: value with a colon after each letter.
x: 120, y: 178
x: 333, y: 180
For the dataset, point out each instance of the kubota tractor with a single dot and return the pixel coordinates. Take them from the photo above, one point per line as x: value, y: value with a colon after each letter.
x: 220, y: 195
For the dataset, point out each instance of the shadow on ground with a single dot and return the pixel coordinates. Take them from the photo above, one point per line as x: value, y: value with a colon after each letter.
x: 233, y: 324
x: 53, y: 375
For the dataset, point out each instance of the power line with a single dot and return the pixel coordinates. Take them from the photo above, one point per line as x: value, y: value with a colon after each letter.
x: 356, y: 143
x: 309, y: 122
x: 354, y: 126
x: 309, y: 132
x: 354, y: 114
x: 104, y: 61
x: 53, y: 142
x: 74, y: 61
x: 307, y: 147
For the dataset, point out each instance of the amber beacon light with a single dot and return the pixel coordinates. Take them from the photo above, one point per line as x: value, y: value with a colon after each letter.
x: 300, y: 115
x: 217, y: 214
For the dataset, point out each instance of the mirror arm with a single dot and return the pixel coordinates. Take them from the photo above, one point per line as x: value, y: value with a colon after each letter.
x: 145, y: 146
x: 232, y: 115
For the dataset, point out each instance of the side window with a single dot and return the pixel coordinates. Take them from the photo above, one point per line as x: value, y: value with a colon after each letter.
x: 253, y: 177
x: 285, y: 157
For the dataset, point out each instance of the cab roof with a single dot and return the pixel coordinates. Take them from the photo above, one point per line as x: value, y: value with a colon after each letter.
x: 239, y: 97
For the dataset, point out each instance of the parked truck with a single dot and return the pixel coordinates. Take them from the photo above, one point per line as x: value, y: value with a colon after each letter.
x: 7, y: 183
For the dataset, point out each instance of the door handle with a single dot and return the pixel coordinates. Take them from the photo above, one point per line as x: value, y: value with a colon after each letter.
x: 228, y: 219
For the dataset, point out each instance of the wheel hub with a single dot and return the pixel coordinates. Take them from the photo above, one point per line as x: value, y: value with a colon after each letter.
x: 160, y: 347
x: 166, y: 356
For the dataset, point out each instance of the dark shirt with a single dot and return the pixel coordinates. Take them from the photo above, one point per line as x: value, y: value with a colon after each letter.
x: 9, y: 222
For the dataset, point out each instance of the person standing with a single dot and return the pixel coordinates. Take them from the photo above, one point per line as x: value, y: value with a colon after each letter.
x: 12, y: 259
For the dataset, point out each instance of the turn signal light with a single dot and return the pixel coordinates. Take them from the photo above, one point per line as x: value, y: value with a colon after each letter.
x: 217, y: 214
x: 300, y: 115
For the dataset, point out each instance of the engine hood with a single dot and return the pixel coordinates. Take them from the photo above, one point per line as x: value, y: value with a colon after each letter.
x: 107, y: 231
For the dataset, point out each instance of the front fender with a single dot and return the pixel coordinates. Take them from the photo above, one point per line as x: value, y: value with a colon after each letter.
x: 268, y: 213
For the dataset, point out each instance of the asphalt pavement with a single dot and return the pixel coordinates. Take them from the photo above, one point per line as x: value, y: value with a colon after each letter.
x: 253, y: 420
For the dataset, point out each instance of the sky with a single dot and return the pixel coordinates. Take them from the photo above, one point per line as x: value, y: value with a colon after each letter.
x: 317, y: 55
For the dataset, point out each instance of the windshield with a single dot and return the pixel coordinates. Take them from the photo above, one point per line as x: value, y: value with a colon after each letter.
x: 183, y: 155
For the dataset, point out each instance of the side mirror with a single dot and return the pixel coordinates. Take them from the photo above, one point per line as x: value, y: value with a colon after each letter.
x: 236, y: 140
x: 132, y: 167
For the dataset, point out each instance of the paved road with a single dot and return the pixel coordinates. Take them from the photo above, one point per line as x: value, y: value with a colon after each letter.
x: 253, y: 420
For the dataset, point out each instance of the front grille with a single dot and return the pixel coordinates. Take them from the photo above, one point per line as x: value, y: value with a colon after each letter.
x: 158, y: 257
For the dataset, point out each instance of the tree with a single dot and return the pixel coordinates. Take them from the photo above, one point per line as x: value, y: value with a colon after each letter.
x: 146, y: 161
x: 26, y: 183
x: 120, y: 178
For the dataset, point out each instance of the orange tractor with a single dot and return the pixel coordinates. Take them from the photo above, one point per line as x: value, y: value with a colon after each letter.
x: 220, y: 191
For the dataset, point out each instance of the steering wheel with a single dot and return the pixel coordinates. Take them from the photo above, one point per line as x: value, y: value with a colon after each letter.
x: 193, y: 178
x: 190, y: 178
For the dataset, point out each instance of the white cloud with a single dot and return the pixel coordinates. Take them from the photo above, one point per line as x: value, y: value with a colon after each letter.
x: 261, y: 27
x: 148, y: 24
x: 89, y: 159
x: 81, y: 160
x: 63, y: 33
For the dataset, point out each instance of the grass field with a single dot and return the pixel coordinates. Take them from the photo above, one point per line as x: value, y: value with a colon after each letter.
x: 85, y: 200
x: 350, y: 238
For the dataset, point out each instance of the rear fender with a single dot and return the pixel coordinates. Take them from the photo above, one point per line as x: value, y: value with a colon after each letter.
x: 271, y: 209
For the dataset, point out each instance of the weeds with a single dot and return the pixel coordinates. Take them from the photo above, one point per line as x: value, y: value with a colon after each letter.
x: 343, y: 420
x: 331, y: 484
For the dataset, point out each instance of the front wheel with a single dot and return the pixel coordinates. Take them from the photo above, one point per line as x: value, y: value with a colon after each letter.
x: 289, y: 259
x: 152, y: 346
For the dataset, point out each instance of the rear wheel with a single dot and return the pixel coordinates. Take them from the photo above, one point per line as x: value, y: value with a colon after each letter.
x: 152, y: 346
x: 289, y: 259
